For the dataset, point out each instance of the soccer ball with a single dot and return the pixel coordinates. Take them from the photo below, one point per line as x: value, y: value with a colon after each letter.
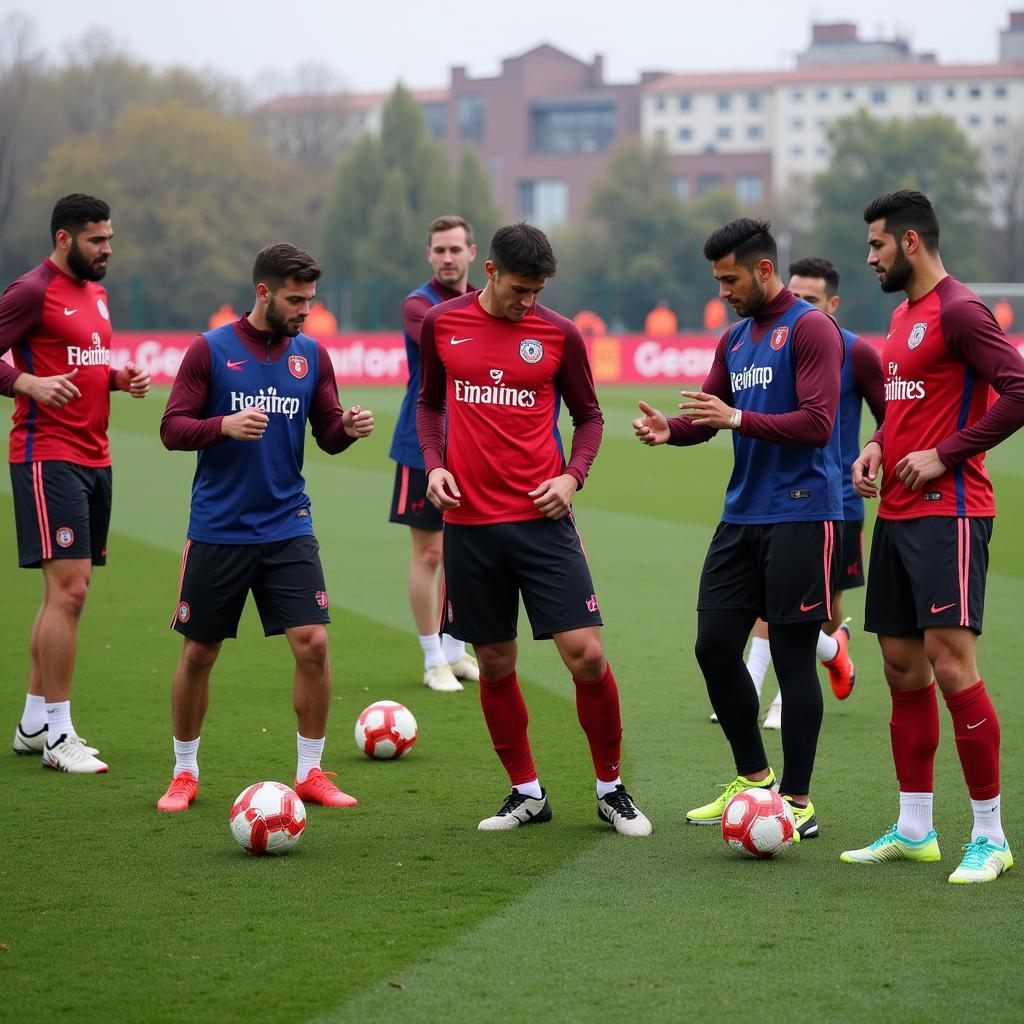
x: 267, y: 818
x: 758, y: 823
x: 385, y: 730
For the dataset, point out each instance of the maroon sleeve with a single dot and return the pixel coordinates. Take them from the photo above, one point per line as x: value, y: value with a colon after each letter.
x: 868, y: 377
x: 971, y: 332
x: 430, y: 419
x: 21, y: 309
x: 681, y: 429
x: 325, y: 411
x: 575, y: 383
x: 182, y: 428
x: 818, y: 353
x: 414, y: 309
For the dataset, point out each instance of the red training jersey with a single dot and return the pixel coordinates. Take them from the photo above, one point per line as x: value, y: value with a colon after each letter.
x: 942, y: 357
x: 500, y: 381
x: 54, y: 324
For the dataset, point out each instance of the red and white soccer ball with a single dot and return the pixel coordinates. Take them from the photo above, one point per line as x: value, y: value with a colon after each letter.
x: 385, y: 730
x: 758, y: 823
x: 268, y: 818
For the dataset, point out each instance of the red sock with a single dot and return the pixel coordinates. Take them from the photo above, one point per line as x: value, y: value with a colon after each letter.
x: 914, y: 731
x: 597, y: 704
x: 976, y: 729
x: 507, y: 718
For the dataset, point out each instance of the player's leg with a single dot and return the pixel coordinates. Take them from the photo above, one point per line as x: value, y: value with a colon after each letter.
x: 834, y: 640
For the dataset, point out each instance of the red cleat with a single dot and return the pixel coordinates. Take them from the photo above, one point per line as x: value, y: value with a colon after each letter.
x: 841, y: 673
x: 180, y: 793
x: 318, y: 789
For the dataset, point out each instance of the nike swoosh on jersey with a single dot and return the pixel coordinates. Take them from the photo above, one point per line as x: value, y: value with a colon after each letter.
x: 809, y: 607
x: 942, y: 608
x: 70, y: 312
x: 458, y: 341
x: 236, y: 364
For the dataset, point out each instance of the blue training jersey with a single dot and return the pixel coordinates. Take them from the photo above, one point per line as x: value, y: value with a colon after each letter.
x: 851, y: 402
x: 249, y: 492
x: 775, y: 483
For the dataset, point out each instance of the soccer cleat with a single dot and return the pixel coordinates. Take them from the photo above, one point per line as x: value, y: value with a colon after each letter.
x: 713, y: 719
x: 518, y: 809
x: 984, y: 861
x: 180, y: 793
x: 806, y: 822
x: 465, y: 668
x: 618, y: 809
x: 841, y: 673
x: 318, y: 789
x: 893, y: 846
x: 773, y: 720
x: 70, y: 754
x: 29, y: 743
x: 711, y: 814
x: 441, y: 679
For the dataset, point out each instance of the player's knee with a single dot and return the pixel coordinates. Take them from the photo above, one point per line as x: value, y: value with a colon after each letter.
x: 198, y: 658
x: 430, y: 559
x: 311, y: 646
x: 494, y: 664
x: 70, y: 596
x: 587, y: 661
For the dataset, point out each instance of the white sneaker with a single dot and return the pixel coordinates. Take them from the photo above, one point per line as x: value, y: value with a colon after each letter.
x: 518, y: 809
x: 29, y: 743
x: 466, y: 668
x: 773, y: 720
x: 618, y: 809
x: 70, y: 754
x: 440, y: 678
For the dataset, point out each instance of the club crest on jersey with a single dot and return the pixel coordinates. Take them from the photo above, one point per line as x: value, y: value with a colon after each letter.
x: 531, y: 351
x: 184, y: 612
x: 65, y: 536
x: 298, y: 367
x: 916, y: 335
x: 102, y: 307
x: 321, y: 598
x: 779, y: 336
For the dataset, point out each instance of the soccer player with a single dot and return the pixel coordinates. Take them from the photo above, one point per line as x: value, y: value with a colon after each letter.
x: 450, y: 250
x: 56, y: 321
x: 816, y: 280
x: 929, y: 552
x: 498, y: 362
x: 241, y: 399
x: 774, y: 383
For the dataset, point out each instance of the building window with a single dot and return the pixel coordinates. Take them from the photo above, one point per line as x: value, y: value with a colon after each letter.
x: 950, y: 92
x: 878, y: 95
x: 999, y: 120
x: 822, y: 124
x: 974, y: 92
x: 544, y: 203
x: 708, y: 183
x: 753, y: 101
x: 849, y: 94
x: 999, y: 92
x: 999, y: 149
x: 974, y: 121
x: 797, y: 151
x: 797, y: 95
x: 723, y: 131
x: 822, y: 95
x: 749, y: 188
x: 684, y: 102
x: 437, y: 119
x: 684, y: 134
x: 797, y: 124
x: 471, y: 118
x: 923, y: 94
x: 821, y: 151
x: 565, y: 127
x: 724, y: 101
x: 680, y: 185
x: 659, y: 102
x: 754, y: 131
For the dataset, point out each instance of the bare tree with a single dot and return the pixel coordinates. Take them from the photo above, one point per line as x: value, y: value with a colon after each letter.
x: 1006, y: 189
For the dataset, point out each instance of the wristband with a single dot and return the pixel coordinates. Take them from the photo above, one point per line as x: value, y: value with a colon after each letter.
x: 734, y: 420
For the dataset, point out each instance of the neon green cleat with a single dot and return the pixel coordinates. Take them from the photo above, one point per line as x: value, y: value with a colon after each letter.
x: 711, y: 814
x: 984, y: 861
x: 806, y: 822
x: 893, y: 846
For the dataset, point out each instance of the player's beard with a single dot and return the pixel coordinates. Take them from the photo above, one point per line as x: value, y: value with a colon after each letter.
x: 756, y: 300
x: 896, y: 277
x: 82, y: 268
x: 279, y: 324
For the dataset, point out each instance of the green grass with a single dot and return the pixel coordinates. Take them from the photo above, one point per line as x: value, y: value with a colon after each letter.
x: 400, y: 907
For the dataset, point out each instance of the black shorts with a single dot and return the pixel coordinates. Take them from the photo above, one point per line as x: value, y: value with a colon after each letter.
x: 487, y: 567
x: 782, y: 572
x: 409, y: 504
x: 927, y: 572
x: 851, y: 569
x: 61, y: 510
x: 285, y: 577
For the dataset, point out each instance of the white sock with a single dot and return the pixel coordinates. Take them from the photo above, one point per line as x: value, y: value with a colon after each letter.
x: 987, y: 821
x: 758, y: 660
x: 33, y: 718
x: 58, y: 721
x: 915, y: 815
x: 432, y: 653
x: 531, y: 788
x: 186, y: 753
x: 604, y: 788
x: 310, y: 752
x: 451, y: 648
x: 828, y: 646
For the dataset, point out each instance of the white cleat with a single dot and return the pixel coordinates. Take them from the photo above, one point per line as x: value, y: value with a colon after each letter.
x: 466, y: 668
x: 773, y: 720
x: 441, y: 679
x: 713, y: 719
x: 518, y: 809
x: 70, y: 754
x: 618, y: 809
x: 29, y: 743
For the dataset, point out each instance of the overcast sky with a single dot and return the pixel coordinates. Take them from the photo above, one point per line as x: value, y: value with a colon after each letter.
x: 368, y: 46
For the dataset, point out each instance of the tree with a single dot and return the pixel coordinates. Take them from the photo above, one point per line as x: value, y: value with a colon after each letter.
x: 476, y: 203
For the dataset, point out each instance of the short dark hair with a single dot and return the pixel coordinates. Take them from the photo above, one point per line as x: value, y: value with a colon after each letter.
x: 73, y: 212
x: 523, y: 250
x: 817, y: 266
x: 903, y: 211
x: 448, y: 223
x: 282, y: 262
x: 749, y: 240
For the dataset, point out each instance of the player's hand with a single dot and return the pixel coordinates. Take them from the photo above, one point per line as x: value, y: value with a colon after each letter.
x: 133, y: 379
x: 917, y: 468
x: 652, y: 427
x: 706, y: 410
x: 442, y: 490
x: 865, y: 470
x: 358, y: 422
x: 554, y: 497
x: 247, y: 425
x: 53, y: 392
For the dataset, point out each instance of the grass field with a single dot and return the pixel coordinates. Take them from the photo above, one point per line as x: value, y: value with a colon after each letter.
x: 399, y: 908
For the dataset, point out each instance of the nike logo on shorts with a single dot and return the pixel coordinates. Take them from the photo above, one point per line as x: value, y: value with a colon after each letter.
x: 236, y: 364
x: 458, y: 341
x: 942, y: 608
x: 809, y: 607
